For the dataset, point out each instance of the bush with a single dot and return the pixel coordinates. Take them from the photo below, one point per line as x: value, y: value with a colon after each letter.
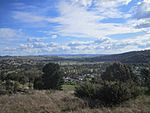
x: 108, y: 93
x: 38, y: 83
x: 112, y: 93
x: 85, y: 90
x: 11, y: 87
x: 148, y: 90
x: 2, y: 88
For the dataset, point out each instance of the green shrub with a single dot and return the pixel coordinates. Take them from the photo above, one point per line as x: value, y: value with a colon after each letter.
x: 11, y: 87
x: 85, y: 90
x: 108, y: 93
x: 2, y: 88
x: 148, y: 90
x: 112, y: 93
x: 38, y: 83
x: 17, y: 87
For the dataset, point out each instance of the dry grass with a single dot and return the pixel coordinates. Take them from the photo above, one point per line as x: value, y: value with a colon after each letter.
x: 64, y: 102
x: 38, y: 102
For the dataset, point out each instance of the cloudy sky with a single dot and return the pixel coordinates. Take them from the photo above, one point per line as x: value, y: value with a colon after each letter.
x: 38, y: 27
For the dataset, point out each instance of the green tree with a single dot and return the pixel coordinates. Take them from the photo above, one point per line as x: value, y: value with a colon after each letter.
x: 118, y: 72
x: 145, y: 75
x: 52, y: 77
x: 119, y: 84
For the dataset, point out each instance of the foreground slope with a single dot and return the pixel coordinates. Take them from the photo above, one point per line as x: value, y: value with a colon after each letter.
x: 64, y: 102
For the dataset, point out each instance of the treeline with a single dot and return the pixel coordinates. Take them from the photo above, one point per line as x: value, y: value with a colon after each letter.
x: 129, y: 57
x: 22, y: 81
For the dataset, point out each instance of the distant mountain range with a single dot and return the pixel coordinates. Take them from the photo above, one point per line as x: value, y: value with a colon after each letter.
x: 128, y: 57
x: 78, y: 55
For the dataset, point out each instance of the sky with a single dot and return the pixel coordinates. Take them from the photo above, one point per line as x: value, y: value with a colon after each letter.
x: 44, y: 27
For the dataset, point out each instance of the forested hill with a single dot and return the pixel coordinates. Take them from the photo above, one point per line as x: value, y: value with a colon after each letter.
x: 129, y: 57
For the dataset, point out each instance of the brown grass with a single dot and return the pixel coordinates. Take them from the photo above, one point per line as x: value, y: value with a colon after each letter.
x: 64, y: 102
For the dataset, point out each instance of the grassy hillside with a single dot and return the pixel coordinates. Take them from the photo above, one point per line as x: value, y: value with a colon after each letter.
x: 64, y: 102
x: 129, y: 57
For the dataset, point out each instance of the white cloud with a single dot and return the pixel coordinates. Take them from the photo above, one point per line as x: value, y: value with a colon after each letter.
x: 113, y: 3
x: 83, y: 2
x: 54, y: 36
x: 106, y: 8
x: 113, y: 46
x: 106, y: 3
x: 103, y: 45
x: 35, y: 39
x: 28, y: 17
x: 143, y: 23
x: 141, y: 16
x: 8, y: 33
x: 9, y: 49
x: 77, y: 21
x: 42, y: 47
x: 142, y: 10
x: 146, y: 1
x: 26, y: 46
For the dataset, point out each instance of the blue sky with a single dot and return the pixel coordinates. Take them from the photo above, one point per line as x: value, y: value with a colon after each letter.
x: 38, y: 27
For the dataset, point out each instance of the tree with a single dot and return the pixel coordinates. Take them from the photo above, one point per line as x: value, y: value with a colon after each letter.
x: 118, y: 72
x: 52, y: 76
x: 119, y: 84
x: 145, y: 74
x: 51, y: 79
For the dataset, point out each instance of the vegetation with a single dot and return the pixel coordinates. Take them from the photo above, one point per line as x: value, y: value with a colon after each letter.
x: 65, y: 102
x: 118, y: 72
x: 129, y: 57
x: 51, y: 79
x: 145, y: 76
x: 107, y: 87
x: 118, y: 86
x: 66, y: 87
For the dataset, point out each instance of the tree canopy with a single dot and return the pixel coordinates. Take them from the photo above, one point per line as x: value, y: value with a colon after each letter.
x: 52, y: 77
x: 118, y: 71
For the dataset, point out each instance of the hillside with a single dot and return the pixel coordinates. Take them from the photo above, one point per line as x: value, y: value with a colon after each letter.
x: 64, y: 102
x: 128, y: 57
